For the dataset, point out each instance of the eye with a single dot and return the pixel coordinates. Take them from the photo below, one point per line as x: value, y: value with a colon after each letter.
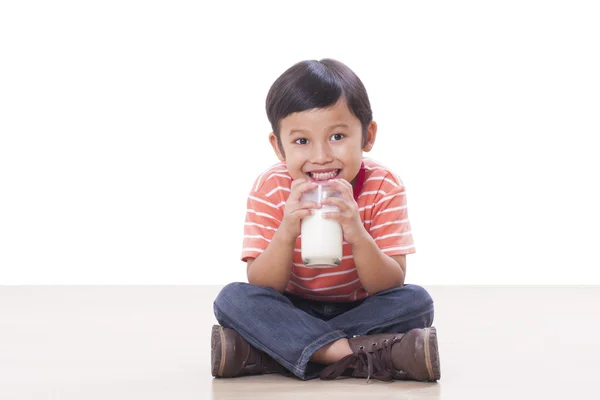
x: 301, y: 141
x: 338, y: 136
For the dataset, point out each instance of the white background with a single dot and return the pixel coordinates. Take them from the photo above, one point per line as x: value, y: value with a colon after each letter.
x: 131, y: 133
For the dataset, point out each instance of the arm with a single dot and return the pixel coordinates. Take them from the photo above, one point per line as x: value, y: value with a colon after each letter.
x: 272, y: 268
x: 377, y: 271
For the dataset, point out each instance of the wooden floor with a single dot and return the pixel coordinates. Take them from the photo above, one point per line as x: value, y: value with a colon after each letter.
x: 154, y: 343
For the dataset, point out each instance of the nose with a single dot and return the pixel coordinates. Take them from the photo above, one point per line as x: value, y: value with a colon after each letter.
x: 322, y: 153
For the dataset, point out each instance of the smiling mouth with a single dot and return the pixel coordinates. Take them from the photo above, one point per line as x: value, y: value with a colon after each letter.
x: 324, y: 176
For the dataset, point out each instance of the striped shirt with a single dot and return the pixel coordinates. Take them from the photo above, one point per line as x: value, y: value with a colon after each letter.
x: 381, y: 200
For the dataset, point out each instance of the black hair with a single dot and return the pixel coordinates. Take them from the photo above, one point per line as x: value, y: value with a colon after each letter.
x: 313, y: 84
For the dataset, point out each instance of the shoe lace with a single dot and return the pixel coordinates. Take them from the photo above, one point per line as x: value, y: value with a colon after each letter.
x: 377, y: 364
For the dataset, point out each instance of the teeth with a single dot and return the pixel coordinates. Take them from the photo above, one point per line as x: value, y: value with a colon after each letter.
x: 322, y: 176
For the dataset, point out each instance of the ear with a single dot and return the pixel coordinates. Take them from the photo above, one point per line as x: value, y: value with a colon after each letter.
x: 275, y: 145
x: 371, y: 135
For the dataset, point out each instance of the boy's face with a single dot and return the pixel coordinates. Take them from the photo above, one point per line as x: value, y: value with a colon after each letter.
x: 323, y: 143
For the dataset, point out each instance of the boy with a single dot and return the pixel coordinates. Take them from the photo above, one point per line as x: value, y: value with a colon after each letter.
x: 359, y: 318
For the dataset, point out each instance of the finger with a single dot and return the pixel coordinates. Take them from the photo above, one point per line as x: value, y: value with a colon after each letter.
x: 347, y: 184
x: 343, y: 187
x: 302, y: 213
x: 297, y: 182
x: 302, y: 181
x: 340, y: 203
x: 333, y: 215
x: 298, y: 189
x: 305, y: 205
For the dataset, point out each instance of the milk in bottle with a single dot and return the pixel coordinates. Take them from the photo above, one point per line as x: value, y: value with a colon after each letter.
x: 321, y: 238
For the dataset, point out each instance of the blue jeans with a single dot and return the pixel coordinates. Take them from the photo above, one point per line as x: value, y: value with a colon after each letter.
x: 290, y: 329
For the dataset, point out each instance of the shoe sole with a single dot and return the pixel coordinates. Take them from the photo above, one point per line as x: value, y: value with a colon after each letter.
x: 218, y: 350
x: 432, y: 357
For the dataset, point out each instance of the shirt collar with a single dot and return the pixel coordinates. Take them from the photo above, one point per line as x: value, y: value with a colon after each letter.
x: 360, y: 181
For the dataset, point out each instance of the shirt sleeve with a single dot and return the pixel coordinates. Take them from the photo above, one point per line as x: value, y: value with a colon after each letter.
x: 390, y: 227
x: 262, y: 220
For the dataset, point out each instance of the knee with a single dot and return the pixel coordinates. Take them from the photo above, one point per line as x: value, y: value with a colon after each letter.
x: 239, y: 297
x: 424, y: 303
x: 419, y: 295
x: 232, y: 293
x: 228, y: 302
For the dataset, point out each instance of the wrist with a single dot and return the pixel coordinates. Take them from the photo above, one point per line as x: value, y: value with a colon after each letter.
x: 362, y: 239
x: 284, y: 238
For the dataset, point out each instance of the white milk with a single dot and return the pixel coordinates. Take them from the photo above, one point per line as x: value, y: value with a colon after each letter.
x: 321, y: 240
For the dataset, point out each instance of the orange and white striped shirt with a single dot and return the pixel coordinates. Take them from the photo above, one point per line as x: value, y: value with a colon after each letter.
x: 381, y: 202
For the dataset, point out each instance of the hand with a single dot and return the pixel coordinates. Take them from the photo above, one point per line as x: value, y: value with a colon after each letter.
x: 295, y: 209
x: 348, y: 215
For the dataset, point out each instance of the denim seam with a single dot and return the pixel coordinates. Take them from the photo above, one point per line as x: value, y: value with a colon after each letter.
x: 407, y: 317
x: 300, y: 367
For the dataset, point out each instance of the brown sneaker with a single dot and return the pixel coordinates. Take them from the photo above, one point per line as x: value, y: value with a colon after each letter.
x: 231, y: 356
x: 413, y: 355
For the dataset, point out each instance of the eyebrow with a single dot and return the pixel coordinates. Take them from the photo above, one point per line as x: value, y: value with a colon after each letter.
x: 293, y: 131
